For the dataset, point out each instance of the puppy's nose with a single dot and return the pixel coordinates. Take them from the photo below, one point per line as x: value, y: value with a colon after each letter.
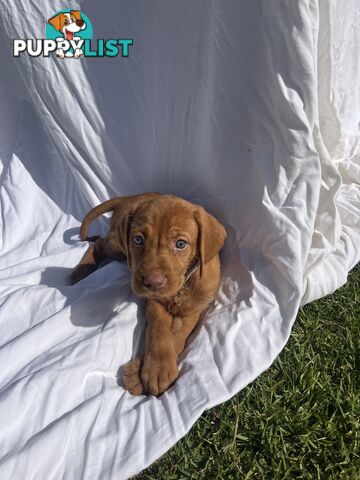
x: 79, y: 23
x: 155, y: 280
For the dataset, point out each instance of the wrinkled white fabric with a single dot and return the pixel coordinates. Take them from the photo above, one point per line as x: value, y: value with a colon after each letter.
x: 250, y: 108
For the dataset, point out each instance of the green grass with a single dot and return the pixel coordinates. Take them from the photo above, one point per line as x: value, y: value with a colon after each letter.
x: 298, y: 420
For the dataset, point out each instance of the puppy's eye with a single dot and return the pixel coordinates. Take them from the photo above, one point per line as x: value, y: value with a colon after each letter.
x: 66, y: 21
x: 73, y: 19
x: 138, y: 240
x: 181, y: 244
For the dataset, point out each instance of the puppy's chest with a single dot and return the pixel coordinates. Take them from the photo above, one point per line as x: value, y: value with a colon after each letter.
x: 185, y: 302
x: 179, y: 304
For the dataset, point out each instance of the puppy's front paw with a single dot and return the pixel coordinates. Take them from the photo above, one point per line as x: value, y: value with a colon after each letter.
x: 132, y: 380
x: 159, y: 372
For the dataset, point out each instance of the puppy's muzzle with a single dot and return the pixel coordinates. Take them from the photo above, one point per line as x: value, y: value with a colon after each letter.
x: 155, y: 280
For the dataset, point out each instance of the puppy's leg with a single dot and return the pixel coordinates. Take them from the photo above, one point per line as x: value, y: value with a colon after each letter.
x: 165, y: 340
x: 89, y: 262
x: 94, y: 255
x: 181, y: 328
x: 159, y: 367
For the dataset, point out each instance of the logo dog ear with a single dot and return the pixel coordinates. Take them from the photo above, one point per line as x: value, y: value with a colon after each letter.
x: 57, y: 21
x: 211, y: 236
x: 76, y: 14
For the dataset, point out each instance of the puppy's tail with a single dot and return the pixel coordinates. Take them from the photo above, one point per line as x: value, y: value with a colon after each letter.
x: 107, y: 206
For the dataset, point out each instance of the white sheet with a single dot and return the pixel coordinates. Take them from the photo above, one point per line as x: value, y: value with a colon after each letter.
x: 249, y: 108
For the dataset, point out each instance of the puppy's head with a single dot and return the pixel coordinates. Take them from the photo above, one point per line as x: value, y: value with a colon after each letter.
x: 68, y: 23
x: 163, y: 238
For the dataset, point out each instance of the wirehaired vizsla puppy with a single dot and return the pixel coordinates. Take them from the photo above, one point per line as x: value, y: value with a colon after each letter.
x: 172, y: 249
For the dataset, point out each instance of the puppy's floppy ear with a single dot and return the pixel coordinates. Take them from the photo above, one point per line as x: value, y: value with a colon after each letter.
x: 57, y: 21
x: 123, y: 235
x: 211, y: 236
x: 76, y: 14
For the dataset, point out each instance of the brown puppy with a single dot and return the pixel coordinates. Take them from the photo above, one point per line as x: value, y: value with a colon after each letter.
x: 172, y: 248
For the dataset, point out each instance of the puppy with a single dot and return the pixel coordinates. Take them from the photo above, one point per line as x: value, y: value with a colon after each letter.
x: 68, y: 24
x: 172, y: 249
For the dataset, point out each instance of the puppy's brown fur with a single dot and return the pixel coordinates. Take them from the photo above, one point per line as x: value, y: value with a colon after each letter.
x: 149, y: 231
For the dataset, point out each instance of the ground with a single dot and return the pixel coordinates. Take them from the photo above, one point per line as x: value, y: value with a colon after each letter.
x: 298, y: 420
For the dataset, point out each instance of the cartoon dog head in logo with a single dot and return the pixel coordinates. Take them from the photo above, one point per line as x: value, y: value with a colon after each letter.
x: 68, y: 24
